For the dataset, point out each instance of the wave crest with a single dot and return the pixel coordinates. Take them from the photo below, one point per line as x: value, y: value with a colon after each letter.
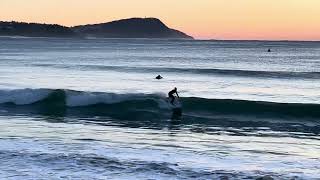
x: 97, y: 102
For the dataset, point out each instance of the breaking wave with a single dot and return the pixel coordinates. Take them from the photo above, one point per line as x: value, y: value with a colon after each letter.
x: 131, y: 105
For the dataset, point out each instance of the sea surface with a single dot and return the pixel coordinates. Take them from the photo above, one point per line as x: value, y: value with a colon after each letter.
x: 92, y: 109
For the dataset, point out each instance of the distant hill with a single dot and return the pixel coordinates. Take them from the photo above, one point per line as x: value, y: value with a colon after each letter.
x: 131, y: 28
x: 125, y: 28
x: 34, y: 30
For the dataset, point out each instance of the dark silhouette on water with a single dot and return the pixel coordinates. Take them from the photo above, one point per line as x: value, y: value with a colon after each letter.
x: 176, y: 115
x: 269, y: 50
x: 171, y: 95
x: 159, y: 77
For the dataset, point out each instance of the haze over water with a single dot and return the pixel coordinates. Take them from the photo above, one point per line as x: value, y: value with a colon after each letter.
x: 91, y: 109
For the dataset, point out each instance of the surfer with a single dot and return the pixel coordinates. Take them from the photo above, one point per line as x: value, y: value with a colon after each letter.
x: 159, y: 77
x: 171, y: 95
x: 269, y: 50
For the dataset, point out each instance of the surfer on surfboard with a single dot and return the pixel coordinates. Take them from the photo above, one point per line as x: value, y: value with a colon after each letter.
x: 171, y: 95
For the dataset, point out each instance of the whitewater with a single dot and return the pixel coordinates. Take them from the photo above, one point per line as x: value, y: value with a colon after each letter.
x: 92, y: 109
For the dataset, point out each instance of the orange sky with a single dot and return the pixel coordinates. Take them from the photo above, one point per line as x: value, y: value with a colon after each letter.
x: 205, y: 19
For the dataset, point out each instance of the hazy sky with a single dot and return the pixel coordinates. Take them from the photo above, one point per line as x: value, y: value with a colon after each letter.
x: 217, y: 19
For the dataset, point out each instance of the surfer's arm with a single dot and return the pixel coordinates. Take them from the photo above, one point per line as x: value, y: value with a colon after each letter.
x: 177, y: 94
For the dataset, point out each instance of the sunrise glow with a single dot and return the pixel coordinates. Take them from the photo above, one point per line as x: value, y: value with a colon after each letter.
x: 203, y: 19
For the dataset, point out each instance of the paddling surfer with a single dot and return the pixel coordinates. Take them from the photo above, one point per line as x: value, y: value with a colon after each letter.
x: 159, y: 77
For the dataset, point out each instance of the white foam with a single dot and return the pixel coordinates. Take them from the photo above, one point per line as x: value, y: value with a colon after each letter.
x: 78, y: 98
x: 164, y: 103
x: 90, y: 98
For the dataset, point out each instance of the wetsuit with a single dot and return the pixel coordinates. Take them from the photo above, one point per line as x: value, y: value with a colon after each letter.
x: 170, y: 94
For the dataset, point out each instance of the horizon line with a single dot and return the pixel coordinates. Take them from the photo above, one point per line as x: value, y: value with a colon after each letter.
x: 195, y: 39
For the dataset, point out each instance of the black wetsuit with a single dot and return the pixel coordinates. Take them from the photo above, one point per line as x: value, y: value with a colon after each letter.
x: 170, y: 94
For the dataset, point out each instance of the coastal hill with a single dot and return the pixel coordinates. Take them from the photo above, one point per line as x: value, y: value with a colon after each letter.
x: 125, y: 28
x: 131, y: 28
x: 34, y: 30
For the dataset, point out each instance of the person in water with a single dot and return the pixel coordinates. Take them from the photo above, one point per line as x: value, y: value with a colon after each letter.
x: 159, y: 77
x: 171, y: 95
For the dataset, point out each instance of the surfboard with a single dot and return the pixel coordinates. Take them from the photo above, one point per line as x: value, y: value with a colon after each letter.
x: 176, y: 103
x: 176, y: 107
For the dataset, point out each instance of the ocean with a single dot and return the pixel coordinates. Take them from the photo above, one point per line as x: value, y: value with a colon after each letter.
x: 92, y: 109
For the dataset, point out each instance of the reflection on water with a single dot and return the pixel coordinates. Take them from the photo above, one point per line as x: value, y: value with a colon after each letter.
x: 105, y: 147
x: 159, y: 119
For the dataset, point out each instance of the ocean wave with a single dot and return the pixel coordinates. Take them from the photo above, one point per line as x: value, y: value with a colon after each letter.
x: 147, y: 105
x: 66, y: 164
x: 211, y: 71
x: 68, y: 98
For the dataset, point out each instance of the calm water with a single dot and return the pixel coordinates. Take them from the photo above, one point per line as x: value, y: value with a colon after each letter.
x: 91, y: 109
